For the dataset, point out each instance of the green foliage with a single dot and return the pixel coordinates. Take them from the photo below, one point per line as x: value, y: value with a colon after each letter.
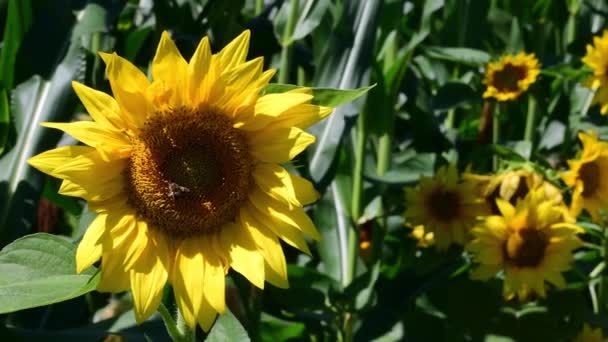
x: 406, y: 79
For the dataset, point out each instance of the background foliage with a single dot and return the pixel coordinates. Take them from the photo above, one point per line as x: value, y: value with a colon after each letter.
x: 426, y: 59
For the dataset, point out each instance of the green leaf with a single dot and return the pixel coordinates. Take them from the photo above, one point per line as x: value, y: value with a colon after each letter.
x: 18, y: 22
x: 40, y: 269
x: 453, y: 94
x: 467, y: 56
x: 34, y: 101
x: 407, y: 168
x: 343, y: 63
x: 328, y: 97
x: 4, y: 119
x: 227, y: 328
x: 360, y: 291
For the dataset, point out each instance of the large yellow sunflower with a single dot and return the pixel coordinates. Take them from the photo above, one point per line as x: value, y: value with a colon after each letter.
x: 588, y: 177
x: 531, y: 242
x: 512, y: 185
x: 184, y: 174
x: 597, y: 59
x: 446, y: 206
x: 510, y: 76
x: 589, y: 334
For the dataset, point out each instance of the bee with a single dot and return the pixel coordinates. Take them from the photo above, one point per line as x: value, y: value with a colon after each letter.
x: 176, y: 190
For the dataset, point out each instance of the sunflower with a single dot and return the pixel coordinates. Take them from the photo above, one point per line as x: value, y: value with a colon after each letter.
x: 589, y: 334
x: 512, y: 185
x: 531, y: 242
x: 597, y: 59
x: 445, y: 205
x: 587, y: 177
x: 184, y: 175
x: 510, y: 76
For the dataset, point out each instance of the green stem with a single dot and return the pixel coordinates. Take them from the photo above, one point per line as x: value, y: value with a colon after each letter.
x: 530, y: 120
x: 603, y: 293
x: 357, y: 192
x: 301, y: 76
x: 385, y: 142
x: 287, y: 51
x: 177, y: 333
x: 496, y: 132
x: 259, y: 7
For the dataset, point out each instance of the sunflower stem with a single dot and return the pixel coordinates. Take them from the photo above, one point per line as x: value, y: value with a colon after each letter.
x: 496, y: 133
x: 603, y: 292
x: 172, y: 326
x: 385, y: 142
x: 287, y: 43
x: 530, y: 120
x: 259, y: 7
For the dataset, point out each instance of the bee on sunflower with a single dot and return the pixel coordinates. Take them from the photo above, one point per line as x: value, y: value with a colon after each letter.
x: 184, y: 174
x: 531, y: 242
x: 587, y: 177
x: 597, y: 59
x: 510, y: 76
x: 445, y: 205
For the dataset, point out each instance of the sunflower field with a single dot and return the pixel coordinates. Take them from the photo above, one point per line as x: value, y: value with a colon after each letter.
x: 304, y: 170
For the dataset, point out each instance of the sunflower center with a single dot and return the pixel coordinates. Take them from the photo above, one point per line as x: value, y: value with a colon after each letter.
x: 189, y: 172
x: 526, y: 247
x: 444, y: 204
x: 508, y: 78
x: 590, y: 175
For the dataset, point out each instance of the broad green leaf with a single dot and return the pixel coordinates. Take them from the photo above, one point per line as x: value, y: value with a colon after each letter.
x: 18, y: 21
x: 453, y: 94
x: 459, y: 55
x: 361, y: 290
x: 40, y: 269
x: 4, y: 119
x: 273, y: 329
x: 310, y: 14
x: 34, y: 101
x: 328, y: 97
x: 227, y: 328
x: 407, y: 168
x: 344, y: 64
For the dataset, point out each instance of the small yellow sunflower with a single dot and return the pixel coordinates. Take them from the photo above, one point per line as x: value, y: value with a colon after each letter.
x: 510, y: 76
x: 588, y: 177
x: 445, y: 205
x: 589, y: 334
x: 424, y: 239
x: 184, y: 175
x: 531, y: 242
x: 597, y: 59
x: 512, y: 185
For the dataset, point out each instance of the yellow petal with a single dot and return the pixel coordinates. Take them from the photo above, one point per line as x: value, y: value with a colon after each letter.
x: 50, y: 160
x: 129, y: 86
x: 275, y: 270
x: 90, y: 248
x: 188, y: 276
x: 101, y: 106
x: 184, y: 303
x: 507, y: 210
x: 285, y: 232
x: 198, y: 69
x: 279, y: 145
x: 305, y: 191
x: 301, y: 116
x: 270, y: 107
x: 235, y: 52
x: 114, y: 277
x: 213, y: 282
x: 275, y: 181
x: 170, y: 67
x: 148, y: 277
x: 244, y: 255
x: 206, y: 315
x: 281, y: 214
x: 113, y: 143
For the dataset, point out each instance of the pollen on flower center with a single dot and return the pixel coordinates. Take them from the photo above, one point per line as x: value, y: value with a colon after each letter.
x: 590, y: 175
x: 526, y: 247
x: 444, y: 204
x: 509, y: 77
x: 189, y: 171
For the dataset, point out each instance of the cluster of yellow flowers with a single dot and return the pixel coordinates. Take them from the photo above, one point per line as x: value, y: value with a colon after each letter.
x: 514, y: 222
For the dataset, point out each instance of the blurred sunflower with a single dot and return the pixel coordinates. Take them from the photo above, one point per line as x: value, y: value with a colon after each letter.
x: 588, y: 177
x: 597, y: 59
x: 531, y: 242
x: 184, y: 175
x: 512, y: 185
x: 589, y: 334
x: 510, y: 76
x: 445, y: 205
